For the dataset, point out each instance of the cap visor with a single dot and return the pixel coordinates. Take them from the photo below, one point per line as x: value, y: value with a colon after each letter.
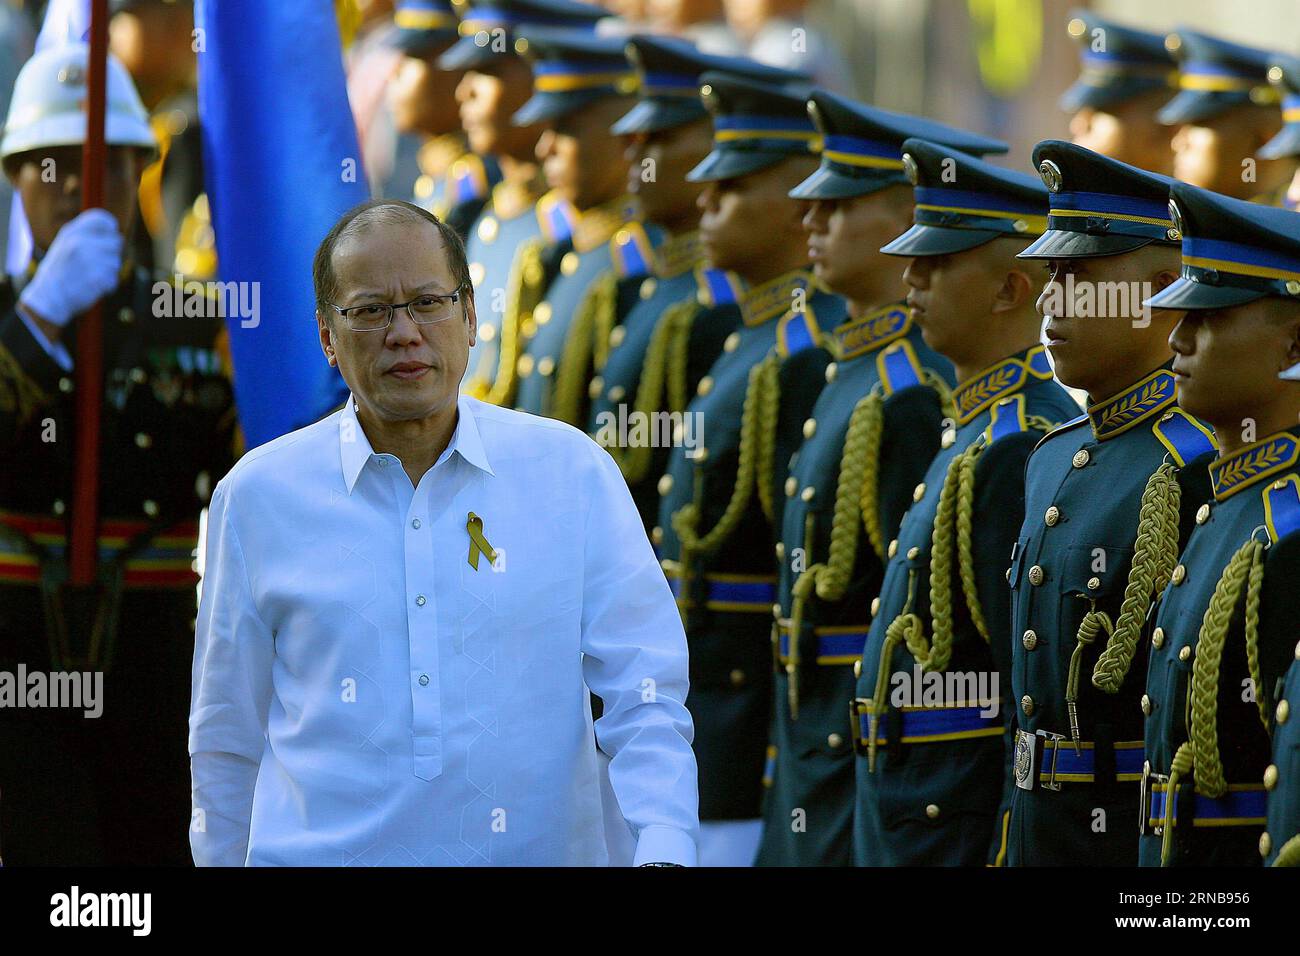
x: 734, y: 163
x: 651, y: 116
x: 1183, y: 293
x: 1291, y: 375
x: 827, y: 183
x: 465, y: 54
x: 544, y: 107
x: 1192, y: 106
x: 1098, y: 97
x: 1285, y: 143
x: 923, y: 240
x: 1064, y: 244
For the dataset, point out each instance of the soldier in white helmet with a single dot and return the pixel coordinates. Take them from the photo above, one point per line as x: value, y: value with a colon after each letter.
x: 112, y: 787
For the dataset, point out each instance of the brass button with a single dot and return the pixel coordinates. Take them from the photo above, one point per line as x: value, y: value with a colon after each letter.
x: 810, y: 428
x: 932, y: 811
x: 1283, y: 711
x: 65, y: 384
x: 913, y: 552
x: 656, y: 535
x: 875, y: 605
x: 1027, y: 705
x: 1202, y: 514
x: 151, y: 509
x: 857, y: 667
x: 1297, y: 650
x: 546, y: 366
x: 949, y: 438
x: 831, y: 371
x: 1081, y: 458
x: 616, y: 336
x: 617, y: 393
x: 834, y: 741
x: 737, y: 677
x: 1270, y: 776
x: 1029, y: 640
x: 780, y: 550
x: 1146, y: 705
x: 524, y: 366
x: 1158, y: 637
x: 700, y: 455
x: 125, y: 315
x: 1265, y: 844
x: 705, y: 386
x: 665, y: 484
x: 893, y: 548
x: 58, y: 507
x: 1180, y: 573
x: 1053, y: 515
x: 1036, y: 575
x: 1185, y: 652
x: 807, y: 493
x: 776, y: 611
x: 648, y: 288
x: 542, y: 314
x: 918, y: 492
x: 595, y: 387
x: 1094, y: 583
x: 791, y: 486
x: 569, y: 264
x: 1008, y: 575
x: 138, y: 375
x: 732, y: 343
x: 142, y: 440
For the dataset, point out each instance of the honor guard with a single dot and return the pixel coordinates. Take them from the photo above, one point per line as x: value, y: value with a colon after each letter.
x: 719, y: 502
x: 1125, y: 76
x: 1109, y: 500
x: 497, y: 82
x: 929, y: 716
x: 655, y: 340
x: 454, y: 182
x: 1225, y: 111
x: 872, y: 432
x: 1225, y: 626
x: 1284, y: 74
x: 113, y: 788
x: 581, y: 85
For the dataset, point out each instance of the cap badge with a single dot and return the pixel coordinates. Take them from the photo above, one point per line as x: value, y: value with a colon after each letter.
x: 1051, y: 174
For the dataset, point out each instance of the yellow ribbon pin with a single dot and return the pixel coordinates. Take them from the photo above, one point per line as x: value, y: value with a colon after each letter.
x: 477, y: 543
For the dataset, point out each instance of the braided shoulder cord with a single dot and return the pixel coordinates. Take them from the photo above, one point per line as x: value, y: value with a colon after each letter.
x: 523, y: 293
x: 1155, y: 552
x: 1289, y: 855
x: 1094, y: 623
x: 935, y: 655
x: 832, y: 580
x: 682, y: 318
x: 593, y: 319
x: 965, y: 540
x: 872, y: 412
x: 907, y: 628
x: 1254, y: 587
x: 686, y: 518
x: 1183, y: 762
x: 769, y: 406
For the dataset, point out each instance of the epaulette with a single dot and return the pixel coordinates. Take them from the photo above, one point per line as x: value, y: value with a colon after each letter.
x: 632, y: 251
x: 467, y: 179
x: 1006, y: 417
x: 556, y: 217
x: 716, y: 287
x: 1183, y: 436
x: 899, y: 367
x: 797, y: 331
x: 1282, y: 507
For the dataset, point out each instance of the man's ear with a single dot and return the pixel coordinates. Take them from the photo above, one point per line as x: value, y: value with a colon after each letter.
x: 1163, y: 279
x: 1293, y: 348
x: 1016, y: 289
x: 326, y: 338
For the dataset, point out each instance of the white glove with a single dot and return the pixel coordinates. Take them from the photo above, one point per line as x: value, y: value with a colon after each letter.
x: 80, y: 268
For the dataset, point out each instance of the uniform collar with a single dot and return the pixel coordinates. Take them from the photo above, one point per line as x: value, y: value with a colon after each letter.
x: 1255, y: 462
x: 677, y: 255
x: 355, y: 449
x: 596, y: 226
x: 1144, y: 399
x: 767, y: 300
x: 866, y: 333
x: 1000, y: 380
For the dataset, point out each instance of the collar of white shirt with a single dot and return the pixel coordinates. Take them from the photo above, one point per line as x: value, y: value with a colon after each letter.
x: 355, y: 448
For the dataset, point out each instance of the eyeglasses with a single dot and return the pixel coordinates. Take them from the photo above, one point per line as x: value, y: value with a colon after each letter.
x: 427, y: 309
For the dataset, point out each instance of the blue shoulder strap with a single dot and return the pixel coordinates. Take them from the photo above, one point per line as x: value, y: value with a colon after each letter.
x: 797, y: 331
x: 1007, y: 417
x: 1282, y: 507
x: 899, y: 367
x: 1183, y: 436
x: 632, y: 251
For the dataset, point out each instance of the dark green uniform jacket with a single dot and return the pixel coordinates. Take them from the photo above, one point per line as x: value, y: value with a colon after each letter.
x: 113, y: 789
x: 879, y: 390
x: 932, y: 772
x: 1084, y: 488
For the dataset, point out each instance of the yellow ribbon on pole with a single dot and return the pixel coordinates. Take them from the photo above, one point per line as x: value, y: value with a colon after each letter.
x: 477, y: 543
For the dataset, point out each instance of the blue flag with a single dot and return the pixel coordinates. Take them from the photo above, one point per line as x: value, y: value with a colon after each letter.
x: 281, y: 164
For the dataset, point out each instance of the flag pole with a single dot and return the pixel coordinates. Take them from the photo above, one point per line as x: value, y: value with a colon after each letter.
x: 90, y: 360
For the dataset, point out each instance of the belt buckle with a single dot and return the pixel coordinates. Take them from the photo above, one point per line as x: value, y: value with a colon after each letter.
x: 1025, y: 762
x: 1144, y: 800
x: 1056, y: 739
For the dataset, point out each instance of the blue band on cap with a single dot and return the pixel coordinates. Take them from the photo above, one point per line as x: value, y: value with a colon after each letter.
x: 1239, y: 259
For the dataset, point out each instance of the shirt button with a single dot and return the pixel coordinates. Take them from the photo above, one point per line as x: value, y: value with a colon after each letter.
x: 810, y: 428
x: 1081, y: 458
x: 857, y: 667
x: 647, y: 289
x: 617, y: 393
x: 595, y: 387
x: 705, y: 386
x: 1036, y: 575
x: 875, y: 605
x: 834, y: 741
x: 932, y: 811
x: 546, y: 366
x: 419, y: 600
x: 737, y: 677
x: 665, y: 484
x: 1027, y: 705
x: 1179, y: 575
x: 1202, y: 514
x: 1283, y: 711
x: 542, y: 314
x: 791, y: 486
x: 524, y: 366
x: 732, y: 343
x: 1146, y: 705
x: 1265, y: 844
x: 1270, y: 776
x: 569, y: 264
x: 424, y: 680
x: 918, y: 492
x: 780, y: 550
x: 616, y: 336
x: 913, y: 552
x: 1158, y: 638
x: 1029, y: 640
x: 1185, y: 652
x: 831, y: 371
x: 893, y: 548
x: 1053, y: 515
x: 808, y: 493
x: 415, y: 523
